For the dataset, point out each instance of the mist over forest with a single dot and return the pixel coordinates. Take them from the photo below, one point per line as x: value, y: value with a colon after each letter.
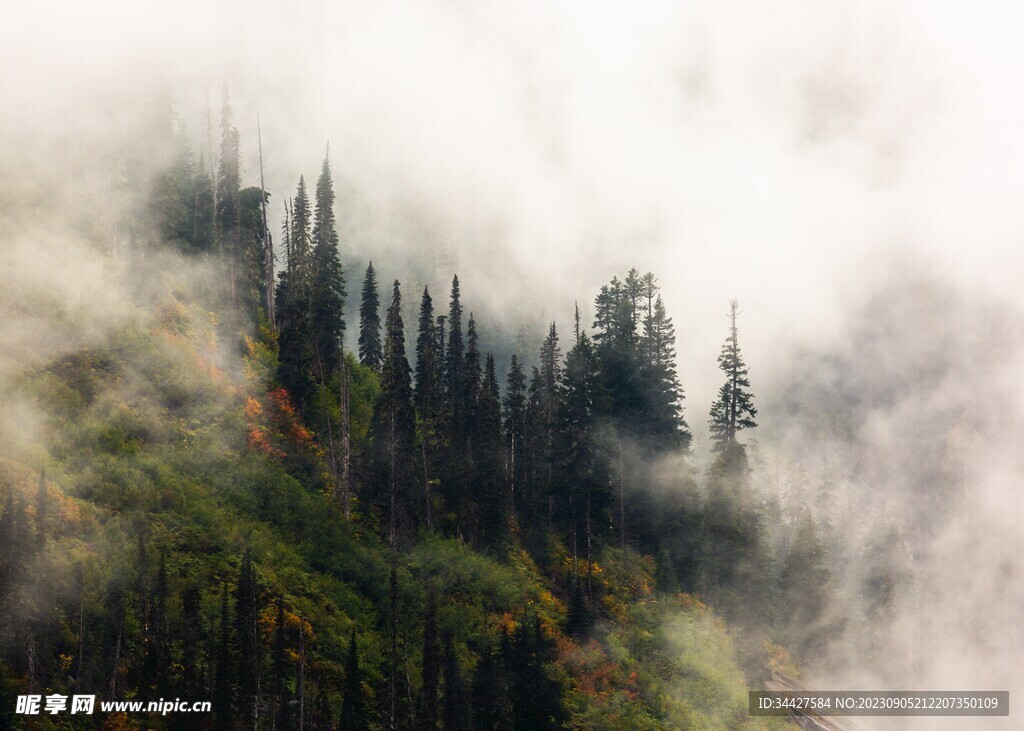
x: 689, y: 360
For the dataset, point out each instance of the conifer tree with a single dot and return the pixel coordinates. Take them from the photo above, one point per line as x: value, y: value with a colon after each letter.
x: 160, y: 645
x: 533, y: 506
x: 223, y: 693
x: 456, y: 464
x: 203, y: 214
x: 371, y: 353
x: 733, y: 530
x: 429, y: 397
x: 431, y: 666
x: 394, y: 423
x: 282, y: 698
x: 734, y: 409
x: 456, y: 716
x: 804, y: 583
x: 191, y: 626
x: 582, y: 475
x: 550, y: 378
x: 228, y: 187
x: 328, y: 281
x: 15, y: 553
x: 246, y: 640
x: 514, y: 416
x: 297, y: 362
x: 494, y: 507
x: 172, y: 197
x: 353, y: 707
x: 301, y: 234
x: 453, y: 364
x: 471, y: 375
x: 665, y: 425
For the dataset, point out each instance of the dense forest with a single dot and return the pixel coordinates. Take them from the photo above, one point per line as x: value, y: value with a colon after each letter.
x: 378, y: 529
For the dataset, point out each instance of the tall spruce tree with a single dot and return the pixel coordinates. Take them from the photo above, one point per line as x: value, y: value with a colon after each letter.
x: 246, y: 641
x: 431, y: 665
x: 456, y: 462
x: 429, y: 399
x: 371, y: 353
x: 353, y: 705
x: 224, y: 685
x: 733, y: 531
x: 279, y: 659
x: 514, y: 416
x: 665, y: 426
x: 550, y: 382
x: 734, y: 409
x: 492, y: 494
x: 395, y: 424
x: 297, y: 361
x: 191, y: 637
x: 582, y: 475
x: 456, y: 711
x: 471, y: 381
x: 203, y: 214
x: 327, y: 281
x: 228, y: 188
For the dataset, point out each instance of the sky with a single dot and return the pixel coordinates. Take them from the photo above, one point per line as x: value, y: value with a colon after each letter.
x: 849, y: 171
x: 790, y: 155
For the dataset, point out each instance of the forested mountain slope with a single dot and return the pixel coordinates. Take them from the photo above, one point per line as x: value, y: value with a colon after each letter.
x: 220, y: 492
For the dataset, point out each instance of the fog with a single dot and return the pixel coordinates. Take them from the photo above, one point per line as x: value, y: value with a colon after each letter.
x: 849, y: 172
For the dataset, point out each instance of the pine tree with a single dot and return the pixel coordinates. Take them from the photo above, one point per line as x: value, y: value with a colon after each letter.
x: 431, y: 666
x: 455, y: 471
x: 533, y: 506
x: 734, y: 409
x: 172, y: 197
x: 191, y: 627
x: 665, y: 426
x: 805, y: 583
x: 429, y: 398
x: 514, y: 415
x: 328, y: 281
x: 160, y: 644
x: 733, y: 531
x: 493, y: 504
x: 282, y: 698
x: 455, y: 707
x: 394, y: 424
x: 353, y: 707
x: 582, y: 474
x: 223, y: 693
x: 536, y: 698
x: 246, y: 640
x: 203, y: 214
x: 15, y: 553
x: 228, y: 187
x: 371, y: 353
x: 550, y: 377
x: 250, y: 274
x: 454, y: 353
x: 297, y: 360
x: 301, y: 234
x: 471, y: 376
